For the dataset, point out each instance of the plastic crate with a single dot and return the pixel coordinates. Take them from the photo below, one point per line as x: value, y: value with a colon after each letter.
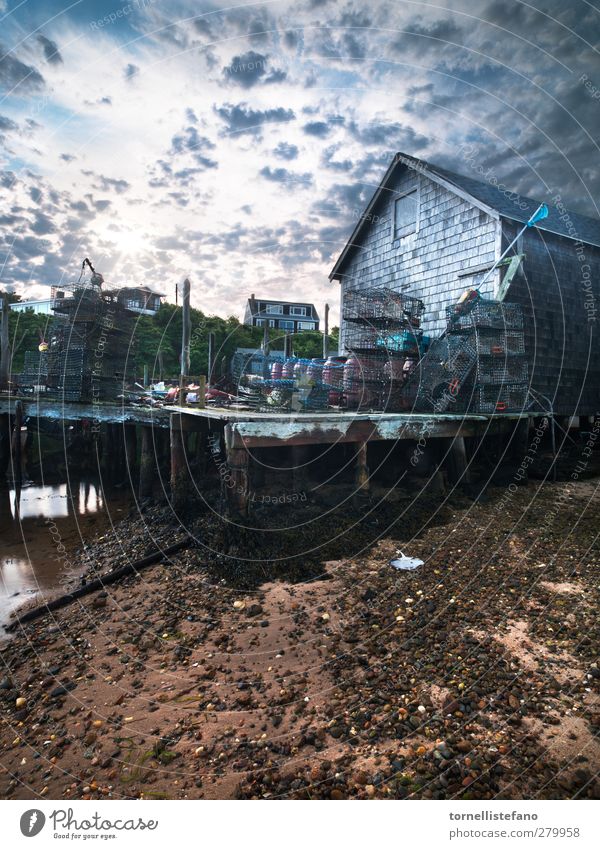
x: 495, y: 370
x: 508, y: 397
x: 485, y: 314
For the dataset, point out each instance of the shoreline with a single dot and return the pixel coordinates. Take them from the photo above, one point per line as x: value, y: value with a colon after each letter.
x: 212, y: 676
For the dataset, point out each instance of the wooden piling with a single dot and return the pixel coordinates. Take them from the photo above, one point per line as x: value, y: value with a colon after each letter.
x: 130, y: 442
x: 147, y: 462
x: 4, y: 343
x: 361, y: 478
x: 17, y: 468
x: 458, y: 466
x: 237, y: 480
x: 179, y: 469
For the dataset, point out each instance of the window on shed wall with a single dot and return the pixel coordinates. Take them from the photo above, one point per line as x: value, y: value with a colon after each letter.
x: 406, y: 213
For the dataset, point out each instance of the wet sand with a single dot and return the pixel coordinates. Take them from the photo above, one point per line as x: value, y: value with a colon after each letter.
x: 474, y: 677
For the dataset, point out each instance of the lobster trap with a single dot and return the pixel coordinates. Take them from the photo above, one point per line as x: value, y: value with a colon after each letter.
x: 484, y: 314
x: 505, y: 398
x: 382, y: 305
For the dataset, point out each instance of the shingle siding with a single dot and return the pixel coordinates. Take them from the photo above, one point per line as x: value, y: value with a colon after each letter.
x: 453, y: 236
x: 561, y: 334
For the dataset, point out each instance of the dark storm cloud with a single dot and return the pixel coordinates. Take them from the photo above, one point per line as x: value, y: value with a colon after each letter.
x: 390, y: 134
x: 15, y: 74
x: 317, y: 128
x: 240, y: 117
x: 51, y: 51
x: 286, y: 151
x: 246, y: 69
x: 42, y: 225
x: 289, y: 179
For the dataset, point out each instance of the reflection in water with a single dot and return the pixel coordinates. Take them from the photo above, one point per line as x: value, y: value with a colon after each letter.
x: 34, y: 521
x: 53, y: 502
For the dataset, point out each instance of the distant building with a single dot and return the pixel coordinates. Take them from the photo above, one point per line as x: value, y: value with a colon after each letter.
x: 140, y: 299
x: 294, y: 316
x: 43, y: 306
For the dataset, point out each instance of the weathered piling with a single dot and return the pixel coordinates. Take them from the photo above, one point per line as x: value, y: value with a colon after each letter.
x: 237, y: 481
x: 179, y: 466
x: 147, y: 462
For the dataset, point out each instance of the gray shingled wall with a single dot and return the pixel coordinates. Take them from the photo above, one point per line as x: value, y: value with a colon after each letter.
x: 554, y: 287
x: 453, y: 236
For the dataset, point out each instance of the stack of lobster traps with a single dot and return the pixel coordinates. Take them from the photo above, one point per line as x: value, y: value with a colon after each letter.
x: 494, y: 330
x: 478, y: 365
x: 383, y: 336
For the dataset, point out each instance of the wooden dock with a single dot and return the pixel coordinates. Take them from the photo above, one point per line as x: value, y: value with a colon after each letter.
x: 240, y: 433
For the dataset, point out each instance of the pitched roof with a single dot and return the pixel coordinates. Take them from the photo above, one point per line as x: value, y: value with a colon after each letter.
x: 490, y: 198
x: 254, y: 302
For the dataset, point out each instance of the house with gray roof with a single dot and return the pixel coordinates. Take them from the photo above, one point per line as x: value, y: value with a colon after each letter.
x: 433, y: 233
x: 293, y: 316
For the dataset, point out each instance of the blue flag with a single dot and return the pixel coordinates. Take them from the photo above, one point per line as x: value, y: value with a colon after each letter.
x: 540, y: 213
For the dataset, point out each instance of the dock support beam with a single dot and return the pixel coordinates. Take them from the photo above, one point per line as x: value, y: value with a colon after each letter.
x: 179, y: 470
x: 147, y: 462
x: 237, y: 483
x: 458, y: 467
x: 130, y: 440
x: 361, y: 478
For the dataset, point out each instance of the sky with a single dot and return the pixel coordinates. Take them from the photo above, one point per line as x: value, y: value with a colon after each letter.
x: 238, y: 144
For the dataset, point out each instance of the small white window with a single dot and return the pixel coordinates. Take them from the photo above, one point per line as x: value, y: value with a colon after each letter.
x: 406, y: 213
x: 297, y: 310
x: 271, y: 322
x: 306, y: 325
x: 260, y: 322
x: 274, y: 309
x: 286, y: 325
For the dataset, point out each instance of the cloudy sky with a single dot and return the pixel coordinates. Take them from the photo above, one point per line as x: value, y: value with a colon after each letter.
x: 237, y: 144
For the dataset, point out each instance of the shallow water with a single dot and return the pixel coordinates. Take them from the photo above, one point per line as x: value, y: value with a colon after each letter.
x: 40, y: 531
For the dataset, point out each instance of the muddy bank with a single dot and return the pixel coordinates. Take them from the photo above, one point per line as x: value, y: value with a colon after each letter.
x: 296, y: 663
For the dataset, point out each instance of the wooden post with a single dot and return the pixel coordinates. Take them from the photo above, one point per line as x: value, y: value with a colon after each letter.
x: 186, y: 328
x: 458, y: 467
x: 17, y: 455
x: 202, y: 391
x: 287, y: 346
x: 237, y: 480
x: 4, y: 343
x: 211, y: 357
x: 130, y: 441
x: 5, y: 439
x: 362, y: 470
x: 265, y: 342
x: 300, y: 458
x: 146, y: 377
x: 147, y: 462
x: 326, y: 333
x: 179, y: 471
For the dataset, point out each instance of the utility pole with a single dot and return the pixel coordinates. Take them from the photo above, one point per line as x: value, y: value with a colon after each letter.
x: 326, y: 334
x: 186, y: 329
x: 4, y: 343
x: 211, y: 357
